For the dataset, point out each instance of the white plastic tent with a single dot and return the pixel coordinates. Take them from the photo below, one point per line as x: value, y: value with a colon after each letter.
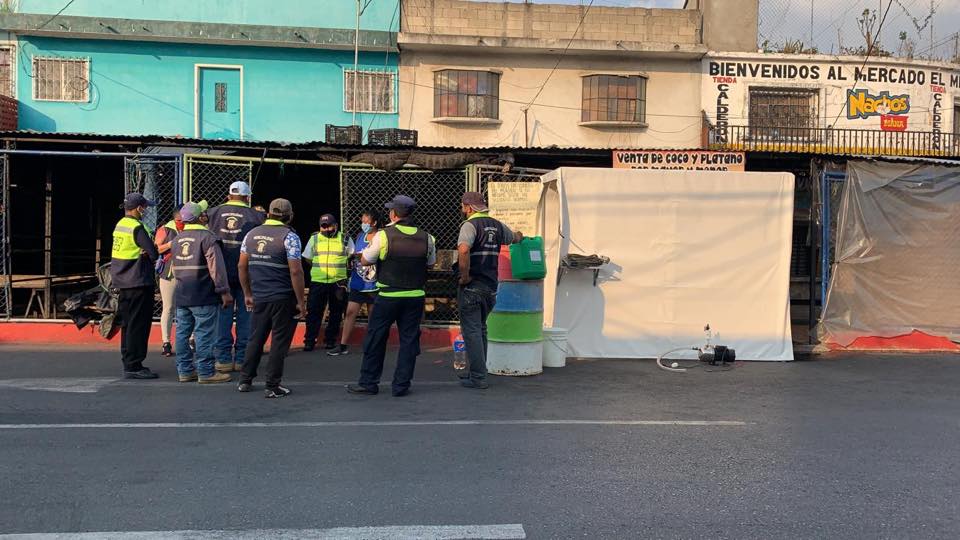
x: 686, y: 248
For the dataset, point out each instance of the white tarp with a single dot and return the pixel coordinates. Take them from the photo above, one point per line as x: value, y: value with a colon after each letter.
x: 686, y: 248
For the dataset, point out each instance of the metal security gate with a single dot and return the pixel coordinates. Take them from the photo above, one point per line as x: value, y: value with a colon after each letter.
x: 6, y: 309
x: 209, y: 177
x: 438, y: 211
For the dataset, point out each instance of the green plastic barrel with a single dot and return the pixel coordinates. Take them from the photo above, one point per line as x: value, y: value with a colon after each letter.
x: 527, y: 259
x: 506, y: 327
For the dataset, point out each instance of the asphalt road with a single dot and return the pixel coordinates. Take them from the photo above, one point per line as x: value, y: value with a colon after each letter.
x: 844, y: 447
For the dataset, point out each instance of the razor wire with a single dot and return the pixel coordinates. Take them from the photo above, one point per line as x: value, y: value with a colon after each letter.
x: 437, y: 194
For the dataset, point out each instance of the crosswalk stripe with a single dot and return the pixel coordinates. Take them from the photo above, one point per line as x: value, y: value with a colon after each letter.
x: 403, y: 532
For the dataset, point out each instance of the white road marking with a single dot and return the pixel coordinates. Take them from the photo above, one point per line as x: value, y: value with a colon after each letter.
x: 385, y: 423
x: 409, y: 532
x: 73, y: 385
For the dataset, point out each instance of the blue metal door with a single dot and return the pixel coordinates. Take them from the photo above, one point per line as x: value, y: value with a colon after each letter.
x: 219, y: 103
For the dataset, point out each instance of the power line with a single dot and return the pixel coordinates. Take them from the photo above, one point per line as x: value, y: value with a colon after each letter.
x: 867, y: 57
x: 57, y: 14
x: 565, y: 49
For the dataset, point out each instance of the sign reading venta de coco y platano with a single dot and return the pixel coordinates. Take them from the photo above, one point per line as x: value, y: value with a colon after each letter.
x: 689, y: 160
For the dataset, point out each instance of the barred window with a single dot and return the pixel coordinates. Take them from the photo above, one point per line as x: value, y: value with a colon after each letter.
x: 784, y: 112
x: 375, y: 91
x: 956, y: 119
x: 614, y: 98
x: 61, y: 79
x: 7, y: 71
x: 466, y: 94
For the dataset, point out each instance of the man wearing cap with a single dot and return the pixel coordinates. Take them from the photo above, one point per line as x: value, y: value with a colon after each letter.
x: 132, y: 263
x: 271, y: 274
x: 478, y: 250
x: 201, y: 289
x: 402, y: 253
x: 327, y: 253
x: 231, y: 222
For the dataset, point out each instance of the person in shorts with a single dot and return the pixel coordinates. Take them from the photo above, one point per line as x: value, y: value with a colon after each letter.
x: 363, y: 281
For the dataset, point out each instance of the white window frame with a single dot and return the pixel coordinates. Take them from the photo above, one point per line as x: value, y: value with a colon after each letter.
x: 196, y: 94
x: 12, y: 45
x: 347, y: 90
x: 63, y: 60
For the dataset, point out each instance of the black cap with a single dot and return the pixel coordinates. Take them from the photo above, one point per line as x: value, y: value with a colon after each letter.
x: 136, y: 200
x: 401, y: 201
x: 327, y: 219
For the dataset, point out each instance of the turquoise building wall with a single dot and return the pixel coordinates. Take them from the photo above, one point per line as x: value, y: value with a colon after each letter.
x: 147, y: 88
x: 379, y: 15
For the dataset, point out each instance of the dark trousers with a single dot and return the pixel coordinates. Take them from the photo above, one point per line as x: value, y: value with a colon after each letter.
x: 321, y: 296
x: 135, y: 311
x: 276, y: 320
x: 407, y: 313
x: 475, y: 302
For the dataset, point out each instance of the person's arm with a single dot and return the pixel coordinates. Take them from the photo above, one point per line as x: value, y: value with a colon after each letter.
x: 161, y: 240
x: 244, y: 269
x: 465, y: 240
x: 431, y: 250
x: 217, y: 269
x: 349, y: 247
x: 292, y: 245
x: 308, y: 251
x: 146, y: 245
x: 510, y: 236
x: 371, y: 254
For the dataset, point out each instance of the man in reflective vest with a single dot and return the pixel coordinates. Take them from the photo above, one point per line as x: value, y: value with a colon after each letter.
x: 271, y: 274
x: 132, y: 270
x: 402, y: 253
x: 231, y: 222
x: 478, y: 250
x: 201, y: 289
x: 327, y: 253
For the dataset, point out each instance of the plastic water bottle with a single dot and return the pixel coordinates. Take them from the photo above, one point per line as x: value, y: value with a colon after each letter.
x: 459, y: 355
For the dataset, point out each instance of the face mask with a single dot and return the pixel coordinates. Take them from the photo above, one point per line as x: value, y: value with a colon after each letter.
x: 329, y: 234
x: 365, y: 227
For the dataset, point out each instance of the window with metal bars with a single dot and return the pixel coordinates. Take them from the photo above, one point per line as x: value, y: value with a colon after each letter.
x: 8, y: 55
x: 614, y: 98
x: 466, y: 94
x: 61, y: 79
x: 376, y: 91
x: 784, y: 113
x: 956, y: 119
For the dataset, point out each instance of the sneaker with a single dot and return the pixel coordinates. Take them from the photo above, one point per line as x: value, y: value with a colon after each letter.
x: 329, y: 346
x: 363, y: 390
x: 245, y: 387
x: 474, y: 383
x: 167, y: 350
x: 143, y: 374
x: 277, y: 392
x: 338, y: 351
x: 402, y: 392
x: 308, y: 347
x: 216, y: 378
x: 223, y: 368
x: 189, y: 377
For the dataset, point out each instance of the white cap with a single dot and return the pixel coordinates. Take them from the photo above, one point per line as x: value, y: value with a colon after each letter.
x: 240, y: 188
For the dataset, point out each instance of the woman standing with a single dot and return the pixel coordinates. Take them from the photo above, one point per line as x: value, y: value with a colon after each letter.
x: 164, y: 241
x: 363, y: 281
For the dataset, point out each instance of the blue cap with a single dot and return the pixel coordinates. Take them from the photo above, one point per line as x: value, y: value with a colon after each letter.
x: 402, y: 201
x: 136, y: 200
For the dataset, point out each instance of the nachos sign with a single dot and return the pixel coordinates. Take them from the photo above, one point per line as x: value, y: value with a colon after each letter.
x: 890, y: 108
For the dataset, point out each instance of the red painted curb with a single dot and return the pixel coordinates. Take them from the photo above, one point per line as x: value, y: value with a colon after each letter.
x: 63, y: 333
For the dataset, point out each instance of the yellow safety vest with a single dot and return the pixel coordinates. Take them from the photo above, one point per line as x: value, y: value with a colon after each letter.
x: 329, y: 259
x: 124, y: 244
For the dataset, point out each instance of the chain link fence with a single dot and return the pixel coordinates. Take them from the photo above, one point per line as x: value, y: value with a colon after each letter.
x: 6, y: 309
x: 438, y: 212
x: 209, y: 178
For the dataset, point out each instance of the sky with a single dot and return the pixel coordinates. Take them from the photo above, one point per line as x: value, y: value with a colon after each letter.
x: 835, y: 21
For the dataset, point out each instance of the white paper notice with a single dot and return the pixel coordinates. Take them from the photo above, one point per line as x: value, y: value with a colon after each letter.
x: 515, y: 204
